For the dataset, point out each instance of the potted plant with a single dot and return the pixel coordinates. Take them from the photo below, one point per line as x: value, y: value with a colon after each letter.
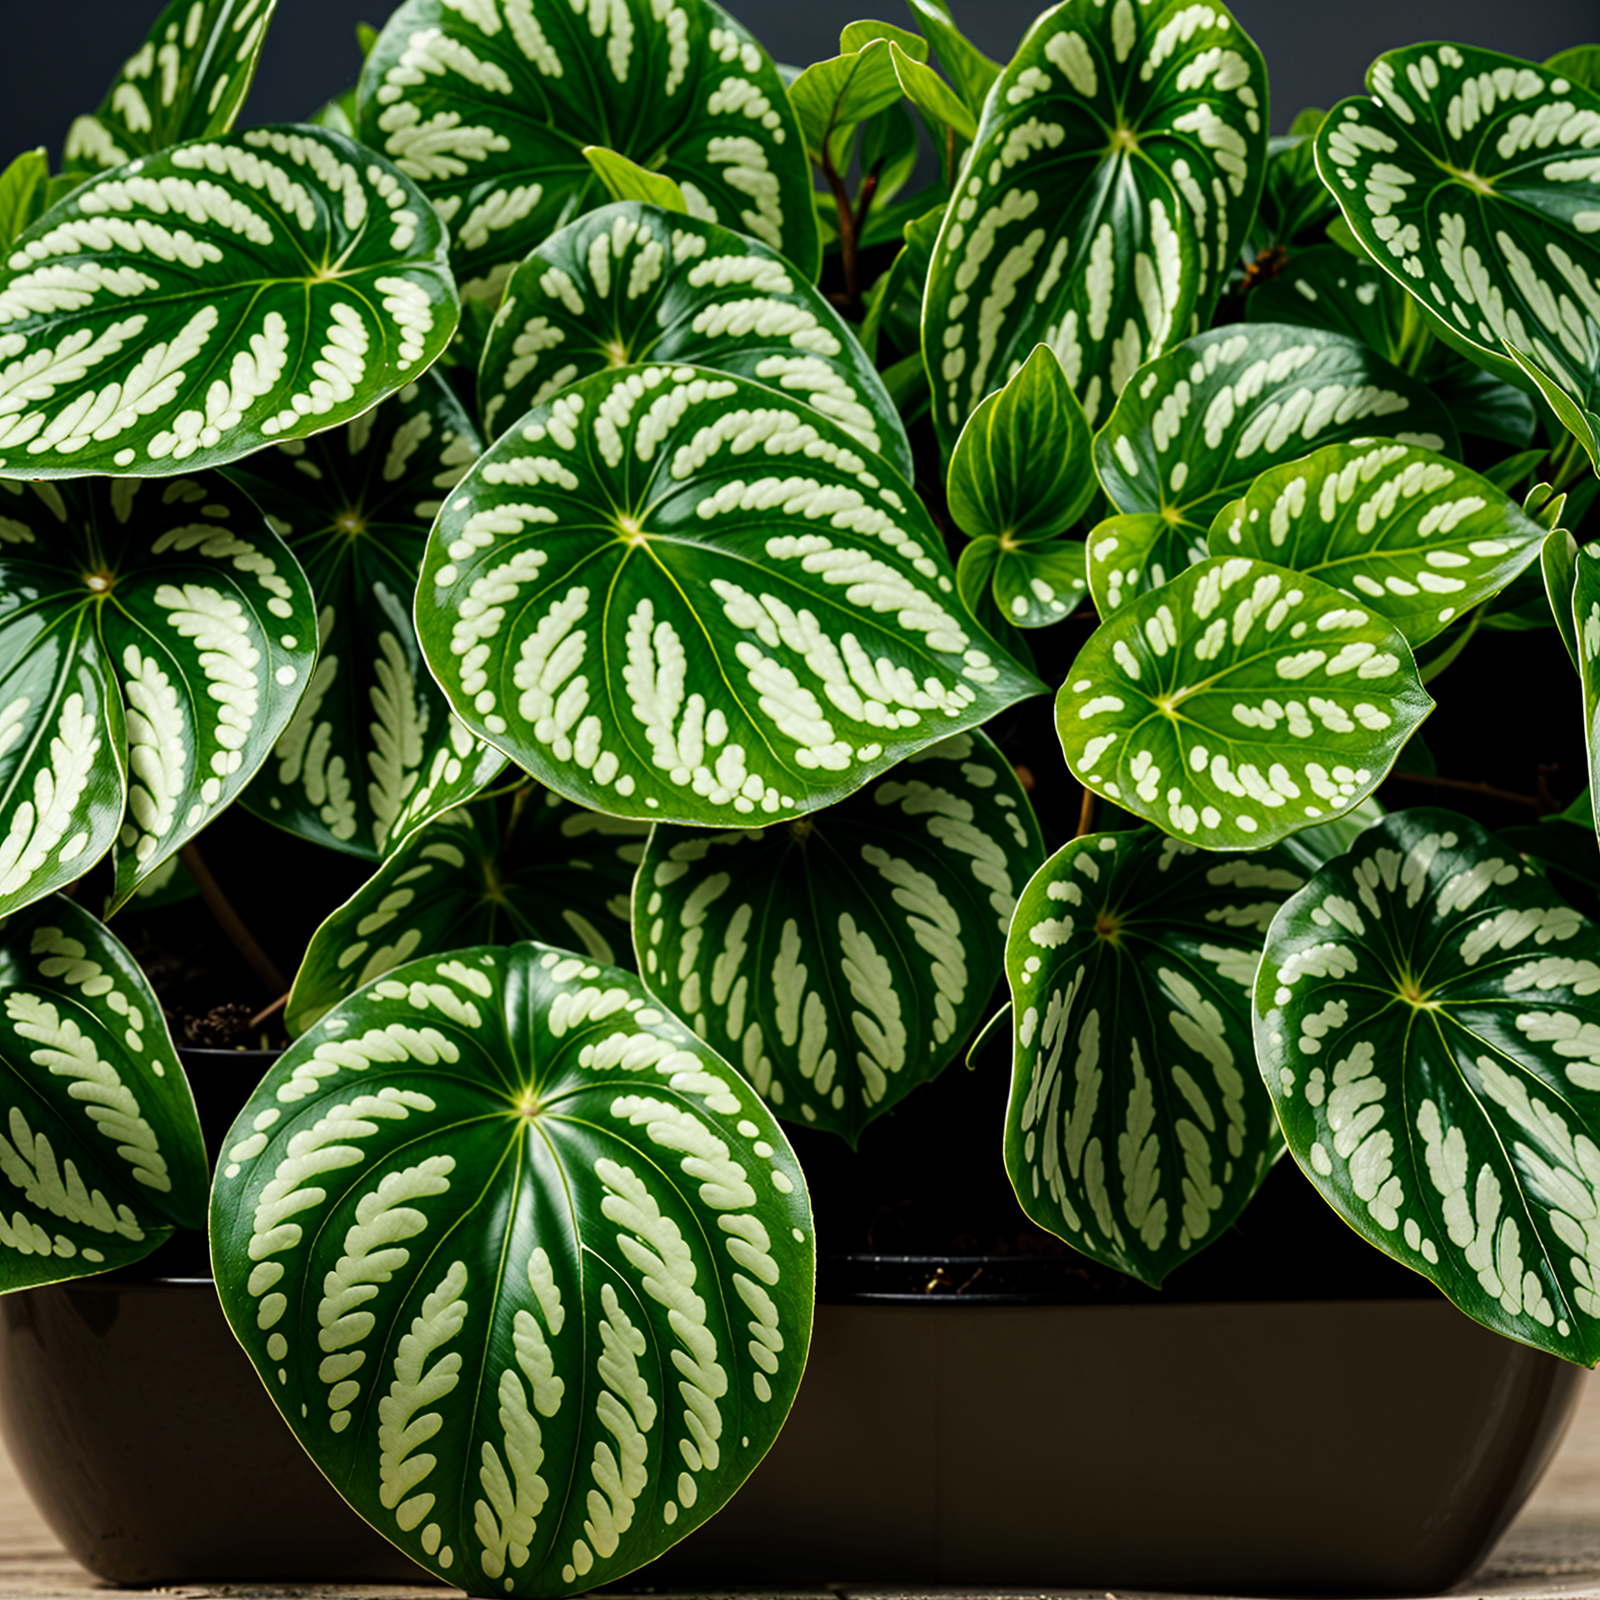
x: 475, y: 485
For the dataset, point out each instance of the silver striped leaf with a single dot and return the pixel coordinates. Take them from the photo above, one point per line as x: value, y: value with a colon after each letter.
x: 1239, y: 703
x: 186, y: 81
x: 536, y: 867
x: 674, y: 594
x: 1419, y: 539
x: 373, y: 750
x: 525, y: 1266
x: 1030, y: 585
x: 1127, y: 556
x: 100, y: 1150
x: 1470, y: 179
x: 154, y: 640
x: 1115, y: 170
x: 843, y: 960
x: 631, y: 283
x: 1137, y: 1127
x: 488, y: 105
x: 217, y: 297
x: 1426, y: 1023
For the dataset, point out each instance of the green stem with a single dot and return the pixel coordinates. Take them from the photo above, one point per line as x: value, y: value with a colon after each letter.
x: 231, y: 923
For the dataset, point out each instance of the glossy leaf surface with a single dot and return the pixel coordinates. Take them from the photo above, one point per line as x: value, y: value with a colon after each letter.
x: 1239, y: 703
x: 231, y: 293
x: 971, y: 71
x: 1127, y: 556
x: 1029, y: 585
x: 627, y: 180
x: 1558, y: 557
x: 527, y: 1269
x: 24, y: 190
x: 843, y: 960
x: 1586, y: 617
x: 671, y: 593
x: 101, y: 1155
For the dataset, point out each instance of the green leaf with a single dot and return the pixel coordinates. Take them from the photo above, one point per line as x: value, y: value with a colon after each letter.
x: 489, y: 105
x: 844, y: 959
x: 1483, y: 404
x: 1514, y: 470
x: 970, y: 70
x: 1586, y: 631
x: 932, y: 96
x: 629, y: 283
x: 1132, y: 555
x: 373, y: 750
x: 1113, y: 176
x: 858, y: 35
x: 554, y: 872
x: 1311, y: 848
x: 1575, y: 416
x: 527, y: 1269
x: 103, y: 1154
x: 1419, y: 539
x: 1558, y: 557
x: 1239, y: 703
x: 1581, y: 64
x: 231, y: 293
x: 1295, y: 201
x: 1555, y: 844
x: 1137, y: 1128
x: 366, y: 37
x: 888, y: 150
x: 1032, y: 585
x: 187, y: 81
x: 626, y: 180
x: 1469, y: 180
x: 1022, y: 468
x: 1424, y: 1017
x: 339, y: 113
x: 154, y: 639
x: 833, y: 97
x: 24, y: 188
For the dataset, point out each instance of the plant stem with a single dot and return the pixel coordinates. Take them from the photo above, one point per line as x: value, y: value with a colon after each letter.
x: 1086, y: 813
x: 847, y: 232
x: 229, y: 920
x: 269, y: 1010
x: 1487, y: 790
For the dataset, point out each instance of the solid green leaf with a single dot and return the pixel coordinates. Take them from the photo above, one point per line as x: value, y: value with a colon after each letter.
x: 536, y: 867
x: 527, y: 1269
x: 154, y: 640
x: 366, y: 37
x: 186, y: 81
x: 339, y: 114
x: 886, y: 153
x: 1419, y: 539
x: 1577, y: 416
x: 832, y: 98
x: 1031, y: 585
x: 1553, y: 843
x: 626, y: 180
x: 1586, y: 633
x: 1239, y: 703
x: 231, y: 293
x: 1482, y: 403
x: 858, y: 35
x: 629, y: 283
x: 672, y: 593
x: 1558, y: 557
x: 1581, y: 64
x: 24, y: 190
x: 932, y: 96
x: 373, y: 750
x: 1425, y: 1024
x: 844, y: 959
x: 489, y: 105
x: 970, y: 70
x: 1115, y: 171
x: 1295, y: 202
x: 101, y: 1157
x: 1137, y: 1128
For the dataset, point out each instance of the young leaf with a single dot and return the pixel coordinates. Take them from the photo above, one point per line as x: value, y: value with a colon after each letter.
x: 527, y: 1268
x: 970, y: 70
x: 1239, y: 703
x: 1031, y: 585
x: 1137, y: 1128
x: 1581, y: 64
x: 1558, y: 560
x: 1424, y: 1016
x: 626, y: 180
x: 834, y: 97
x: 932, y: 96
x: 232, y: 293
x: 24, y: 188
x: 858, y: 35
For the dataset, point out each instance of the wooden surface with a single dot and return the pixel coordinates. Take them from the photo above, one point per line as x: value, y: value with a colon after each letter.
x: 1552, y: 1552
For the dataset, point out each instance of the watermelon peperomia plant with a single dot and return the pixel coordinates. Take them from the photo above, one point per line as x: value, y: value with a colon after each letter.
x: 585, y: 476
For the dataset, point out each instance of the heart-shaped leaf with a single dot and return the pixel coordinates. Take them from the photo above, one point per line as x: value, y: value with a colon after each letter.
x: 373, y: 749
x: 230, y: 293
x: 1115, y: 170
x: 1137, y: 554
x: 527, y: 1268
x: 844, y: 959
x: 100, y: 1155
x: 672, y: 593
x: 489, y: 106
x: 1137, y: 1127
x: 154, y: 639
x: 1031, y: 585
x: 537, y: 867
x: 630, y: 283
x: 1425, y: 1023
x: 1420, y: 539
x: 186, y: 81
x: 1239, y: 703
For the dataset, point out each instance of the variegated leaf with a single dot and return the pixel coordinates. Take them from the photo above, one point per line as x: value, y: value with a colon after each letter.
x: 631, y: 283
x: 1031, y: 585
x: 1137, y: 1127
x: 186, y: 81
x: 1239, y: 703
x: 526, y: 1267
x: 154, y: 639
x: 228, y: 294
x: 373, y: 750
x: 1116, y: 167
x: 1426, y: 1024
x: 674, y: 594
x: 1419, y: 539
x: 489, y: 103
x: 533, y: 867
x: 100, y: 1155
x: 1132, y: 555
x: 1470, y: 179
x: 844, y: 959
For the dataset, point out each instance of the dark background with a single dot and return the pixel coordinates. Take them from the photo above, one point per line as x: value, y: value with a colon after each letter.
x: 57, y: 56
